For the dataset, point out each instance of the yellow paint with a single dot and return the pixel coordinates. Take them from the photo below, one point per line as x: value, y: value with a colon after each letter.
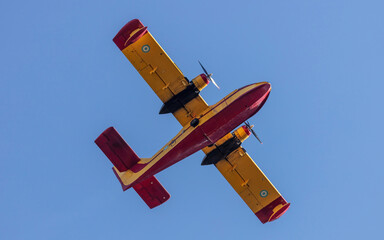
x: 162, y: 75
x: 277, y: 208
x: 222, y: 140
x: 191, y: 110
x: 124, y: 175
x: 131, y: 35
x: 166, y: 80
x: 247, y: 179
x: 199, y: 82
x: 129, y: 177
x: 241, y: 134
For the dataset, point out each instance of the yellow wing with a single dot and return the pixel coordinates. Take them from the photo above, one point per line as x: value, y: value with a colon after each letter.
x: 157, y: 68
x: 252, y: 185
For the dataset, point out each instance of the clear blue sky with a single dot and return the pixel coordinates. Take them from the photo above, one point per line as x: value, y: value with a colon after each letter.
x: 63, y: 81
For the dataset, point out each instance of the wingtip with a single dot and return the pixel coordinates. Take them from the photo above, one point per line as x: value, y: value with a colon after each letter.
x: 273, y: 211
x: 123, y: 38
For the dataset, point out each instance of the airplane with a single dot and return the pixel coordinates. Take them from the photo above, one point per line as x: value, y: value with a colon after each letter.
x: 204, y: 127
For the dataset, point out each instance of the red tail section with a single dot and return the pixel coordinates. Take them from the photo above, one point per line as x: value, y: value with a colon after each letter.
x: 152, y: 192
x: 124, y: 158
x: 117, y: 150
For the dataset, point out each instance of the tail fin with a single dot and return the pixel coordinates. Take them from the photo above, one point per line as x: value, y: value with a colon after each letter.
x: 124, y: 158
x: 117, y: 150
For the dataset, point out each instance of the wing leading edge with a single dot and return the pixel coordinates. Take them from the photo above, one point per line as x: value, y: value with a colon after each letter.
x: 157, y: 68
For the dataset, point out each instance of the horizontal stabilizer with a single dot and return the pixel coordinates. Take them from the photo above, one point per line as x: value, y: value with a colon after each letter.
x: 152, y: 192
x: 117, y: 150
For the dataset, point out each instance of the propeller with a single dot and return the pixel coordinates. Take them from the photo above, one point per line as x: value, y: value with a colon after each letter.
x: 209, y: 75
x: 249, y: 126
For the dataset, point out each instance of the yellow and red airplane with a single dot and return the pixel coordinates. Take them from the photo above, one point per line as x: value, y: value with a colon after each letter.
x: 206, y: 128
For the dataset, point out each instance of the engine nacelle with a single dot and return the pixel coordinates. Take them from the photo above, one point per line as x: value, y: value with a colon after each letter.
x: 226, y: 145
x: 200, y: 81
x: 183, y: 97
x: 242, y: 133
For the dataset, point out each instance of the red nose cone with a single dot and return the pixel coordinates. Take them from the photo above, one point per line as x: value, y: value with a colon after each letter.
x: 260, y: 95
x: 264, y: 89
x: 265, y: 86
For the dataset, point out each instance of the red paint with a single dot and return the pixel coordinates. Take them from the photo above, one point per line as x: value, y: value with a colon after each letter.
x: 195, y: 141
x: 212, y: 130
x: 236, y: 113
x: 226, y: 120
x: 125, y: 187
x: 246, y: 130
x: 152, y: 192
x: 280, y: 212
x: 117, y: 150
x: 137, y: 167
x: 124, y: 34
x: 135, y: 37
x: 266, y: 214
x: 204, y: 77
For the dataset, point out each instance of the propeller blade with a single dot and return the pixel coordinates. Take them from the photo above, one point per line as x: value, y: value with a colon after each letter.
x: 249, y: 126
x: 214, y: 83
x: 206, y: 73
x: 209, y: 75
x: 253, y: 132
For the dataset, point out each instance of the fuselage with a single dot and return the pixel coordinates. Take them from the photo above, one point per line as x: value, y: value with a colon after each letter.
x: 214, y: 123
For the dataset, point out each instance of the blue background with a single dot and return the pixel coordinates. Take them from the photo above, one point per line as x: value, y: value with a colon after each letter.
x: 63, y: 81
